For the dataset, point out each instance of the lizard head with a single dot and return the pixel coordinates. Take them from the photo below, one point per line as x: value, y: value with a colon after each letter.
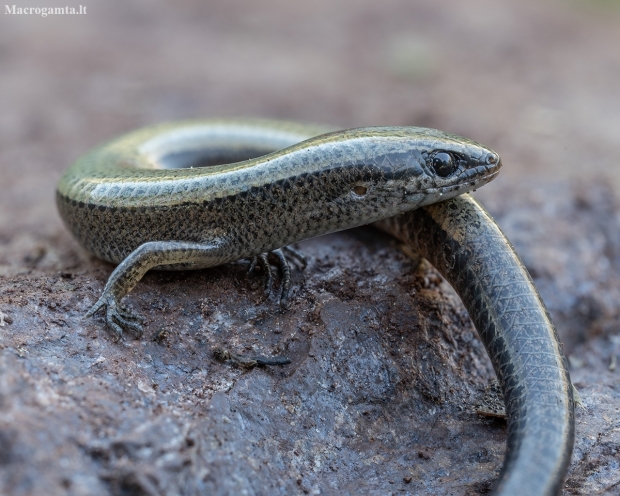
x: 417, y: 166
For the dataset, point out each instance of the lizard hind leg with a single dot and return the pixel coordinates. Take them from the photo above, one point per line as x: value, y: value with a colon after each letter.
x: 281, y: 261
x: 262, y: 261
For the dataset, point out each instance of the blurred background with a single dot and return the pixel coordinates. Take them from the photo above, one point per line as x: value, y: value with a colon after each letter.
x: 537, y: 81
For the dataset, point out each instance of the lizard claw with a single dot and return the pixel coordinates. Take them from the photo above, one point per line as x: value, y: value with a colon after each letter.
x: 96, y: 307
x: 282, y: 263
x: 116, y: 316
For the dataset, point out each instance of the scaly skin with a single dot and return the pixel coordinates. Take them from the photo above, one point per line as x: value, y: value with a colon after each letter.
x: 123, y: 207
x: 463, y: 242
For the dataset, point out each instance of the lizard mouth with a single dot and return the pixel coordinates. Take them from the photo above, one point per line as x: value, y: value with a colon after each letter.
x: 464, y: 186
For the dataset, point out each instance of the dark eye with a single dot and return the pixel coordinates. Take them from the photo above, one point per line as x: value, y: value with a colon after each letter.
x: 443, y: 163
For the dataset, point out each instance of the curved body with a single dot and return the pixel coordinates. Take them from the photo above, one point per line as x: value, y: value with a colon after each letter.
x: 119, y: 196
x: 463, y: 242
x: 137, y: 201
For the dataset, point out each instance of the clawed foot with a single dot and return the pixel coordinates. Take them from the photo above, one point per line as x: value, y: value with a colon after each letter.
x: 116, y: 316
x: 262, y: 261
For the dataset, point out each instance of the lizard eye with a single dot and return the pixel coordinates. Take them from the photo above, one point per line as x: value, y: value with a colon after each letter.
x: 443, y: 163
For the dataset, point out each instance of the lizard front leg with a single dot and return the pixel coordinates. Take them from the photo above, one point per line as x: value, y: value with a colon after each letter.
x: 148, y: 256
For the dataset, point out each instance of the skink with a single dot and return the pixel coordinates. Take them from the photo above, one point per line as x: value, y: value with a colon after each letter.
x: 146, y: 200
x: 199, y: 194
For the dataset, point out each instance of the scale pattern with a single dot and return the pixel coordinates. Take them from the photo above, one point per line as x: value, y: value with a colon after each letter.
x: 463, y: 242
x: 115, y: 198
x: 123, y: 207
